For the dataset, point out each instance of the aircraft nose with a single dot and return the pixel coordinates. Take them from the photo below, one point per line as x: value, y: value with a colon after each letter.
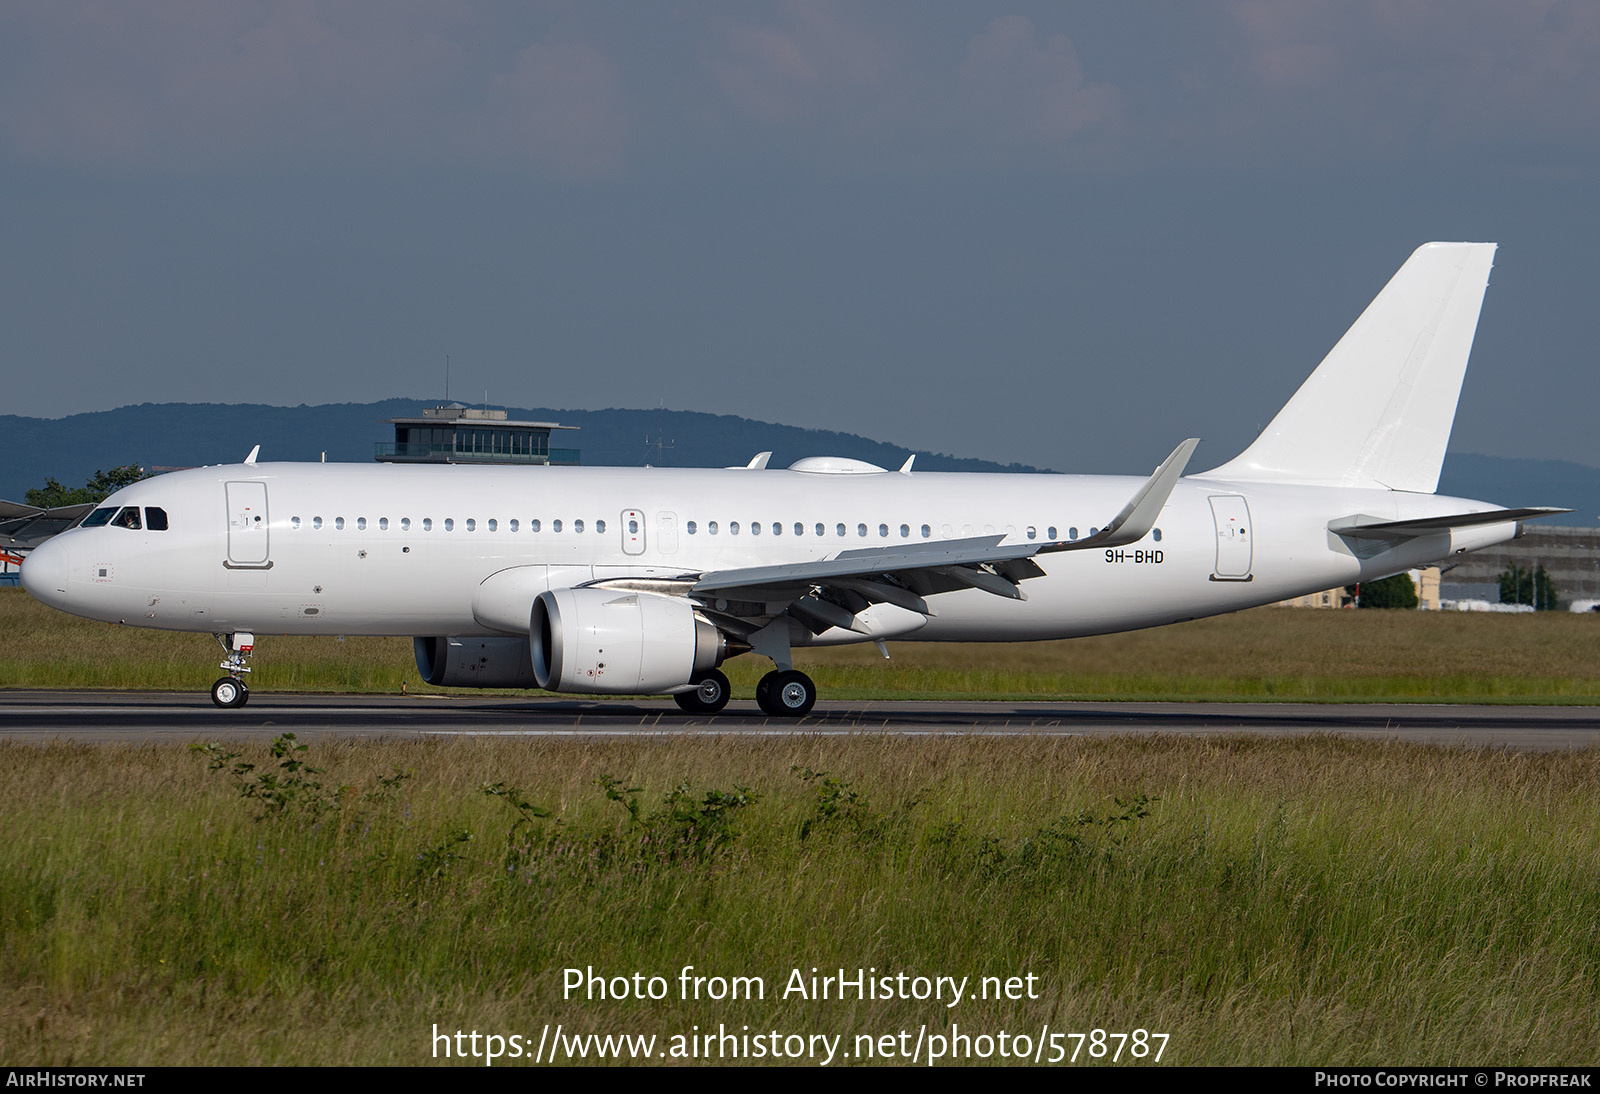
x: 45, y: 572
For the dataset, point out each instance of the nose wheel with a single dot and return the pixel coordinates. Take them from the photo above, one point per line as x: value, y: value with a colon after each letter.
x: 786, y: 694
x: 230, y: 692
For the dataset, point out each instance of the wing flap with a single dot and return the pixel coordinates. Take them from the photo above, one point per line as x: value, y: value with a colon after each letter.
x: 866, y: 562
x: 833, y: 592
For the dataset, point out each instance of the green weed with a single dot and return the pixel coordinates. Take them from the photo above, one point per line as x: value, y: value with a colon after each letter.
x: 291, y: 785
x: 1298, y: 901
x: 686, y: 826
x: 434, y: 862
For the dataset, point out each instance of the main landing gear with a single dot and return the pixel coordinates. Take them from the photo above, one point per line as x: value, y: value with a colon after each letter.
x: 230, y: 691
x: 786, y: 693
x: 709, y: 695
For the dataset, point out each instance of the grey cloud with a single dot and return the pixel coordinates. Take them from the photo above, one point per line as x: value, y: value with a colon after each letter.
x: 195, y: 84
x: 1028, y: 90
x: 808, y: 64
x: 595, y: 90
x: 817, y: 70
x: 180, y: 87
x: 562, y: 109
x: 1332, y: 77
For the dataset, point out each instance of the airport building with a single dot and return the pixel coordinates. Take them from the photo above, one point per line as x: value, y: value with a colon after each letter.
x: 1426, y: 581
x: 1571, y: 556
x: 462, y: 434
x: 24, y: 527
x: 443, y: 434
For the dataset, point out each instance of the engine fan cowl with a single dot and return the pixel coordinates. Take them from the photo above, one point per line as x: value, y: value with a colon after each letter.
x: 474, y: 662
x: 618, y: 642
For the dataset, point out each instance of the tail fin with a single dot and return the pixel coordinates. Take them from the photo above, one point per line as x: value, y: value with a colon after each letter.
x: 1377, y: 412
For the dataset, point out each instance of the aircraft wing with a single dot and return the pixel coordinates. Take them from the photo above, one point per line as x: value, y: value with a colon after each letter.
x: 1139, y: 515
x: 27, y: 526
x: 830, y: 592
x: 902, y: 575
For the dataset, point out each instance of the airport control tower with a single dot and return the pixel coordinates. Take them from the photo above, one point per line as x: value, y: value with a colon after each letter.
x: 462, y: 434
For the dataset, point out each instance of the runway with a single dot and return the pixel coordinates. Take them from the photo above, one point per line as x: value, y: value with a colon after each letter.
x: 137, y: 717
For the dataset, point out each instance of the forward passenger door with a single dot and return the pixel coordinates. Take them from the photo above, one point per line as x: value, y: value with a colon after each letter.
x: 248, y: 526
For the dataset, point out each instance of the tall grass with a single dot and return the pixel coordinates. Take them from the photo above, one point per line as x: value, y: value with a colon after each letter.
x: 1286, y: 902
x: 1279, y: 654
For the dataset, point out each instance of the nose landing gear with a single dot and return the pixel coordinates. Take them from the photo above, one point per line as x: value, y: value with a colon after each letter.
x: 230, y: 691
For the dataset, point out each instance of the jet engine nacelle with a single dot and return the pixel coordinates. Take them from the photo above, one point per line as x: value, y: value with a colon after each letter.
x: 475, y: 662
x: 621, y: 642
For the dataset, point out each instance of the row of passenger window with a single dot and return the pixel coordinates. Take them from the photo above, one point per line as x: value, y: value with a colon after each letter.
x: 842, y: 530
x: 577, y: 527
x: 405, y: 524
x: 155, y: 520
x: 863, y: 530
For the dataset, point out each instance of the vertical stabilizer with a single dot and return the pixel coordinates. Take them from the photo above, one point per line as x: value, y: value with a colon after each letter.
x: 1378, y: 410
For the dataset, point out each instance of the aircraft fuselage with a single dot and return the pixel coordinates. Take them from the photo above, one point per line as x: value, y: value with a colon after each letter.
x: 640, y: 581
x: 384, y: 550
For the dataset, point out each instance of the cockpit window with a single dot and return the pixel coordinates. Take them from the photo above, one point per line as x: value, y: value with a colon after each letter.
x: 98, y: 517
x: 155, y: 518
x: 128, y: 517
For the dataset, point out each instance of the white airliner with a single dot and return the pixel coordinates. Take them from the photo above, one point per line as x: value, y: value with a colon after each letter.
x: 643, y: 580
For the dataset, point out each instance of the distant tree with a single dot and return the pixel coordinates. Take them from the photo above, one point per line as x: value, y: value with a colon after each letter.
x: 101, y: 485
x: 1529, y: 585
x: 1398, y: 591
x: 52, y: 494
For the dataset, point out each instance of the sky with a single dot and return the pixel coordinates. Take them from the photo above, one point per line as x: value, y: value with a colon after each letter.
x: 1062, y: 234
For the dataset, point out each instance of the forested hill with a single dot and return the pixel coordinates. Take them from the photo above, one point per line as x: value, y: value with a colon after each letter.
x: 190, y: 434
x: 1526, y: 482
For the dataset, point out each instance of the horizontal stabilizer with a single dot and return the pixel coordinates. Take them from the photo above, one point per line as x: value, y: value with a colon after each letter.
x: 1365, y: 527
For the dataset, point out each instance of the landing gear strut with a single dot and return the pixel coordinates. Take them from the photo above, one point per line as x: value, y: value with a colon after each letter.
x: 786, y: 693
x: 230, y: 691
x: 709, y: 696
